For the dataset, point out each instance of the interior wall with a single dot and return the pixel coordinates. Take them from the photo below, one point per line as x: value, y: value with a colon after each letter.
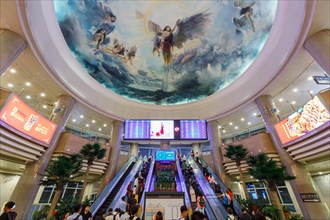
x: 123, y: 158
x: 322, y: 183
x: 7, y: 185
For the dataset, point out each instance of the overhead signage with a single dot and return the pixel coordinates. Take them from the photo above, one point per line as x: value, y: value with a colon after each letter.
x: 324, y: 80
x: 21, y: 117
x: 311, y: 116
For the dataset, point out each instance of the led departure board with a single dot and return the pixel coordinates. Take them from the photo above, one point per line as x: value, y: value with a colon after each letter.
x: 137, y: 129
x: 193, y: 130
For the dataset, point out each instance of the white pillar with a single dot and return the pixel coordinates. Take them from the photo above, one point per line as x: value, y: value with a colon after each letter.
x: 11, y: 45
x: 318, y: 46
x: 134, y: 150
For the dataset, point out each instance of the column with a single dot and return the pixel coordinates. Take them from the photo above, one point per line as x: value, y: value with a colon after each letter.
x: 117, y: 131
x: 11, y: 45
x: 303, y: 182
x: 214, y: 137
x: 28, y: 185
x: 165, y: 145
x: 134, y: 150
x: 318, y: 46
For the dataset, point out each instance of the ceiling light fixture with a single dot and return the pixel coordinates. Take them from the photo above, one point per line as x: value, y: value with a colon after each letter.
x: 311, y: 91
x: 44, y: 106
x: 249, y: 123
x: 310, y: 78
x: 93, y: 121
x: 42, y: 94
x: 28, y: 97
x: 73, y: 120
x: 12, y: 70
x: 28, y: 84
x: 87, y: 125
x: 104, y: 125
x: 224, y: 131
x: 293, y: 102
x: 280, y: 100
x: 295, y: 90
x: 10, y: 85
x: 81, y: 116
x: 254, y: 114
x: 100, y: 129
x: 242, y: 119
x: 230, y: 123
x: 236, y: 127
x: 219, y: 126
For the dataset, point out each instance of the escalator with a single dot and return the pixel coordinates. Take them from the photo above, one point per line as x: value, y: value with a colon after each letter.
x: 214, y: 208
x: 103, y: 201
x: 236, y: 203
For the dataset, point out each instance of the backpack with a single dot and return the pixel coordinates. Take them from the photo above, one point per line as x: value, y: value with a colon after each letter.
x: 202, y: 201
x: 77, y: 217
x: 225, y: 200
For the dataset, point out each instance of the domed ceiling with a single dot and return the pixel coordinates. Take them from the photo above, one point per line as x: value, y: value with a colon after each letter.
x: 165, y: 52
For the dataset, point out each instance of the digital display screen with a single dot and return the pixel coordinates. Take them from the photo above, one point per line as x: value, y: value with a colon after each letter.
x: 20, y: 116
x: 311, y: 116
x: 193, y: 129
x: 163, y: 129
x: 137, y: 129
x: 165, y: 155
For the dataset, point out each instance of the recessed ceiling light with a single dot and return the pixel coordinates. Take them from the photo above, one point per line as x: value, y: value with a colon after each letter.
x: 28, y: 97
x: 280, y: 100
x: 242, y: 119
x: 73, y: 120
x: 230, y: 123
x: 104, y: 125
x: 28, y: 84
x: 42, y: 94
x: 56, y: 103
x: 254, y: 114
x: 93, y: 121
x: 293, y: 102
x: 219, y: 126
x: 44, y: 106
x: 81, y: 116
x: 311, y: 91
x: 320, y: 173
x: 224, y: 131
x: 10, y: 85
x: 310, y: 78
x: 236, y: 127
x: 87, y: 125
x: 295, y: 89
x: 100, y: 129
x: 12, y: 70
x: 249, y: 123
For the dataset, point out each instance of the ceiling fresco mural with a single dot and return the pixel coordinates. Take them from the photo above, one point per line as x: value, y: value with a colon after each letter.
x: 165, y: 52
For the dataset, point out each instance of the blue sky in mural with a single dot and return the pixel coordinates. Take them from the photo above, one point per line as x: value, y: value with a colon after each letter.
x: 165, y: 52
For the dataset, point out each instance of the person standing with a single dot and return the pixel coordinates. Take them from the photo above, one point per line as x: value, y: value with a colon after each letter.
x: 245, y: 215
x: 8, y: 211
x: 86, y: 214
x: 184, y: 212
x: 76, y: 214
x: 123, y: 204
x: 200, y: 203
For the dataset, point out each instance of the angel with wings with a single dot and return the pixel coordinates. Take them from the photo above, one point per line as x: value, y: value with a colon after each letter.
x: 246, y: 13
x: 168, y: 38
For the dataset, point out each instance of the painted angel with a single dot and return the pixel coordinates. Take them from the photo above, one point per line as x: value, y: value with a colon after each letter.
x: 246, y: 13
x: 186, y: 29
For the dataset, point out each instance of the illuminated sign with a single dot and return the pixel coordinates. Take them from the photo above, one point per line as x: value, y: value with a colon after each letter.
x: 324, y: 80
x: 21, y: 117
x: 311, y: 116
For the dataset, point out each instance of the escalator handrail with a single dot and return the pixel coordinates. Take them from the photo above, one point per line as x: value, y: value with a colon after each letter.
x: 237, y: 205
x: 123, y: 189
x: 183, y: 185
x: 108, y: 189
x: 213, y: 202
x: 147, y: 186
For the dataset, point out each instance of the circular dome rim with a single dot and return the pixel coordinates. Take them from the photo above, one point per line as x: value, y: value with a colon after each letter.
x: 121, y: 107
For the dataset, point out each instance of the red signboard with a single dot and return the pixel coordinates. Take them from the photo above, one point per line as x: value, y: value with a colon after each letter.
x: 311, y: 116
x: 21, y: 117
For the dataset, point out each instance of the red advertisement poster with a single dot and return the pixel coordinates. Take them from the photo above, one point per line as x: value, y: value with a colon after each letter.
x: 311, y: 116
x: 21, y: 117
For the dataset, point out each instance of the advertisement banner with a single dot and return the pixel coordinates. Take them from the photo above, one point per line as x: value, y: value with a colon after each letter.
x: 21, y: 117
x: 311, y: 116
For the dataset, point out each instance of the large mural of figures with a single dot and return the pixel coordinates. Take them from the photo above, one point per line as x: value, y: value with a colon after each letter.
x: 165, y: 52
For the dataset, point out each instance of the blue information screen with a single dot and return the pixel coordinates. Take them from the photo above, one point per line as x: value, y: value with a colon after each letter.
x: 162, y: 155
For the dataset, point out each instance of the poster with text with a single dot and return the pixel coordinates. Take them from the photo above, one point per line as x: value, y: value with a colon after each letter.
x: 162, y: 129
